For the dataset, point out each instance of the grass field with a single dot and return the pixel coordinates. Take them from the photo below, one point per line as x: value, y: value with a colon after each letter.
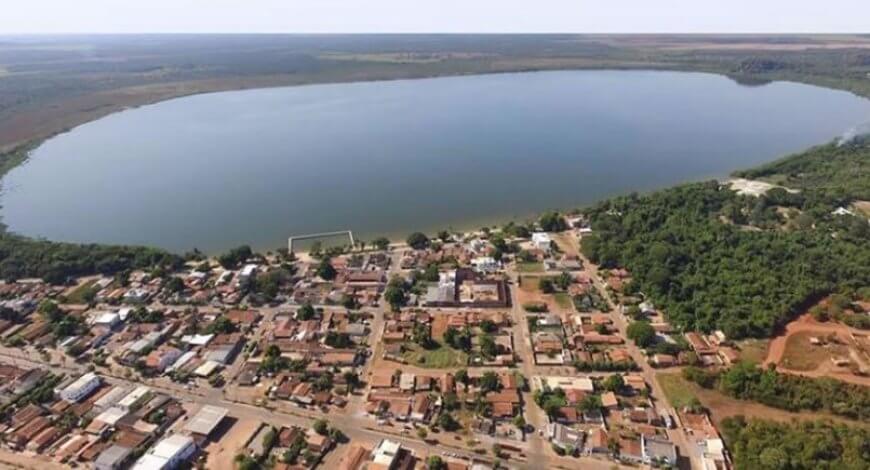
x: 563, y: 300
x: 753, y: 350
x: 530, y: 267
x: 77, y: 296
x: 678, y: 391
x: 442, y: 357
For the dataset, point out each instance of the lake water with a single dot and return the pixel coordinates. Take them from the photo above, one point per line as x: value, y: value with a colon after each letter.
x: 214, y: 171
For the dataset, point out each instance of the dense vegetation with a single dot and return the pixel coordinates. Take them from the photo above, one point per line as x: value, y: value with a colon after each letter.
x: 839, y: 172
x: 22, y: 257
x: 743, y: 264
x: 767, y: 445
x: 747, y: 381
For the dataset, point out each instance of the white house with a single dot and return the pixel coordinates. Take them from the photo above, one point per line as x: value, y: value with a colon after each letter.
x: 541, y: 240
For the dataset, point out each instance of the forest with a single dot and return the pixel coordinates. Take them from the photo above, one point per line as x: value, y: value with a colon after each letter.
x: 746, y: 381
x: 713, y: 259
x: 55, y: 262
x: 810, y: 445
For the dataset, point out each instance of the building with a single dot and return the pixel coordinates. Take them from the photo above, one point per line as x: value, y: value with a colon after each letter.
x: 386, y: 453
x: 206, y: 420
x: 167, y: 454
x: 541, y: 240
x: 133, y: 400
x: 113, y: 458
x: 566, y: 438
x: 81, y: 388
x: 247, y: 274
x: 583, y: 384
x: 485, y: 264
x: 658, y: 450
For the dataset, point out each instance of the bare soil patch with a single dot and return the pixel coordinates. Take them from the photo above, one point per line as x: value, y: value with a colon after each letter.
x: 721, y: 406
x: 815, y: 349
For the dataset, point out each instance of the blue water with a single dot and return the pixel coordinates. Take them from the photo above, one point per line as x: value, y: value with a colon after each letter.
x: 217, y: 170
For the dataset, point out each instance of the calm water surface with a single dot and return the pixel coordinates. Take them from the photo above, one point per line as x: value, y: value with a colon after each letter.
x: 217, y: 170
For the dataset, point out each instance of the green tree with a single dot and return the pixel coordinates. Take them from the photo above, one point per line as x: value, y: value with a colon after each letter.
x: 395, y: 295
x: 614, y: 383
x: 418, y: 241
x: 305, y: 312
x: 489, y: 382
x: 434, y: 462
x: 325, y: 270
x: 321, y: 426
x: 564, y: 280
x: 546, y: 286
x: 462, y: 377
x: 552, y: 222
x: 447, y: 422
x: 381, y: 243
x: 488, y: 347
x: 642, y: 333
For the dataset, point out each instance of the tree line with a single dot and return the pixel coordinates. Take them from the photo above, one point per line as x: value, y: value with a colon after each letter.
x: 746, y: 381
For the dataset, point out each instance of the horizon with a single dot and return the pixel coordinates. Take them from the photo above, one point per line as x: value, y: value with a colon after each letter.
x: 57, y: 17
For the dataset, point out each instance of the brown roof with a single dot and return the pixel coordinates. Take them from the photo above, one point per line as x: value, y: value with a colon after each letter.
x: 354, y: 457
x: 504, y: 396
x: 243, y: 316
x: 502, y: 409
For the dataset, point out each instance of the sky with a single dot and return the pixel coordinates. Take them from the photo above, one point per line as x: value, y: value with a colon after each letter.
x: 448, y: 16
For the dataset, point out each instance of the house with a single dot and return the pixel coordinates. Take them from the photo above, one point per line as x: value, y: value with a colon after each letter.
x: 354, y: 457
x: 658, y: 450
x: 663, y: 360
x: 609, y: 401
x: 205, y: 421
x: 635, y: 382
x: 597, y: 441
x: 43, y: 439
x: 699, y: 344
x: 504, y: 403
x: 630, y: 450
x: 243, y: 318
x: 583, y: 384
x: 567, y: 415
x: 161, y: 358
x: 386, y: 453
x: 113, y: 458
x: 420, y: 408
x: 406, y: 382
x: 81, y: 388
x: 246, y: 275
x: 566, y: 438
x: 316, y: 443
x: 135, y: 399
x: 485, y: 264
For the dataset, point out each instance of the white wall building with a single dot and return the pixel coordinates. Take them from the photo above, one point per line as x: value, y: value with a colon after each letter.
x: 167, y: 454
x: 541, y: 240
x: 81, y: 388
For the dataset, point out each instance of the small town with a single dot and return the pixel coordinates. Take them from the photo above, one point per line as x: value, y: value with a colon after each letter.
x: 499, y: 348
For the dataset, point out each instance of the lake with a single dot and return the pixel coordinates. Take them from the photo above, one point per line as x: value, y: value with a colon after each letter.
x: 386, y: 158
